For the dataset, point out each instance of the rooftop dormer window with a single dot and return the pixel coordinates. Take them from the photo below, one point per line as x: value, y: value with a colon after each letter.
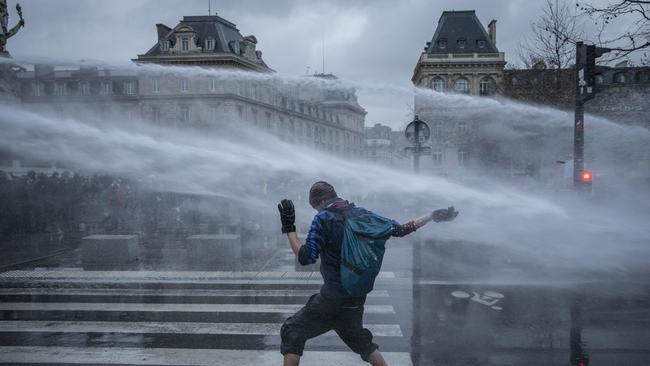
x: 209, y: 44
x: 480, y: 43
x: 462, y: 43
x: 442, y: 43
x: 164, y: 46
x: 185, y: 44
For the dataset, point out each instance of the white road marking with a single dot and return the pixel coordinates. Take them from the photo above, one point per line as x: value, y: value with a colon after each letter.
x: 181, y: 308
x: 182, y: 357
x: 270, y: 329
x: 177, y: 275
x: 108, y: 281
x: 167, y: 292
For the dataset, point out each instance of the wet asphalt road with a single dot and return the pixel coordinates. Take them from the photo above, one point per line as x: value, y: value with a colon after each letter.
x: 69, y: 316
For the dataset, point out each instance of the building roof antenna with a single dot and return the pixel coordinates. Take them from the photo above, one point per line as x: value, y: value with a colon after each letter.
x: 209, y: 7
x: 323, y: 51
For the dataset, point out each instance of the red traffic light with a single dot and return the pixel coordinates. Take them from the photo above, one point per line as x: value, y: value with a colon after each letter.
x: 586, y: 176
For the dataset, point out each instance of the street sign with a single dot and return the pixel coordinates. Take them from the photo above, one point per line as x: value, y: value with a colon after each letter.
x: 422, y: 150
x: 424, y: 133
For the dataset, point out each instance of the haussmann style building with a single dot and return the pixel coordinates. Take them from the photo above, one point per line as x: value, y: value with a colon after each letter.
x: 323, y: 116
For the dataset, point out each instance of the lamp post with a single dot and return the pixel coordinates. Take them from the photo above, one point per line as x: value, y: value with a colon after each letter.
x: 417, y: 132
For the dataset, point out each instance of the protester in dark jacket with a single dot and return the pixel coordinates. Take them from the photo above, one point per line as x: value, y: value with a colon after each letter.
x: 333, y: 308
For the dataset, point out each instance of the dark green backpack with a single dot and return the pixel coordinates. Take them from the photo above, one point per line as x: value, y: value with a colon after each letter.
x: 362, y: 251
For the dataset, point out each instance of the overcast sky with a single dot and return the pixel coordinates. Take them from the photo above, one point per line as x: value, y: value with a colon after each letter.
x: 364, y: 40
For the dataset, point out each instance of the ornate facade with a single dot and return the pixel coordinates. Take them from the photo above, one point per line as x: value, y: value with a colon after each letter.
x: 462, y: 57
x: 325, y: 117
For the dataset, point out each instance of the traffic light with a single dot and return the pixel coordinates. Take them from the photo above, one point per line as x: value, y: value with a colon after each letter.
x: 586, y: 56
x: 586, y: 179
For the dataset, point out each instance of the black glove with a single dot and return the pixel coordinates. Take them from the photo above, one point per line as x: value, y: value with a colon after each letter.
x: 445, y: 214
x: 287, y: 216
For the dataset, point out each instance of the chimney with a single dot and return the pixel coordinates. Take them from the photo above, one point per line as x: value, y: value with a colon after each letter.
x: 492, y: 31
x: 163, y: 30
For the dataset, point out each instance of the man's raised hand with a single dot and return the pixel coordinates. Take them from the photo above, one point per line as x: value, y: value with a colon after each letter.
x: 287, y: 216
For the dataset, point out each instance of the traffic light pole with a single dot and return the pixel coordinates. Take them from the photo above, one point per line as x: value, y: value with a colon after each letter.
x: 586, y: 72
x: 578, y: 143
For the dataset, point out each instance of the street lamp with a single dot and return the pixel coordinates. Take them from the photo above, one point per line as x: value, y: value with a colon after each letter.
x: 417, y: 132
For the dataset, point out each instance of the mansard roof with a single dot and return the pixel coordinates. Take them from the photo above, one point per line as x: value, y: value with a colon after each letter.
x: 455, y: 26
x: 228, y: 41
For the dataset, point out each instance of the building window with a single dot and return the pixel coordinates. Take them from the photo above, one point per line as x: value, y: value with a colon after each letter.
x: 164, y: 46
x: 214, y: 112
x: 639, y: 77
x: 442, y: 43
x: 129, y: 87
x: 436, y: 131
x: 185, y: 85
x: 462, y: 127
x: 209, y: 44
x: 485, y: 86
x: 37, y: 89
x: 600, y: 79
x: 480, y: 43
x: 185, y: 113
x: 155, y: 114
x: 213, y: 84
x: 462, y: 86
x: 155, y: 87
x: 463, y: 157
x: 438, y: 85
x: 437, y: 156
x: 619, y: 77
x: 185, y: 44
x: 107, y: 87
x: 462, y: 43
x: 85, y: 88
x: 60, y: 89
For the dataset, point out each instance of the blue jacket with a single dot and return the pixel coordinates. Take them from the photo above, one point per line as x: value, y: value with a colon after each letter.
x: 325, y: 239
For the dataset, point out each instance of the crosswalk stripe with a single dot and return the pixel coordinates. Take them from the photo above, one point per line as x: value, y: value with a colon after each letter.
x: 168, y: 292
x: 144, y: 307
x: 176, y: 275
x: 182, y: 357
x: 379, y: 330
x: 110, y: 281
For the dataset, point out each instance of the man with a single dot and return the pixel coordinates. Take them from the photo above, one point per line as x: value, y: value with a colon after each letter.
x: 333, y: 308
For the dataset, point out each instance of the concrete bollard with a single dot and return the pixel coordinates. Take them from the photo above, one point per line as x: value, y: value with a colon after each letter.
x: 214, y: 248
x: 109, y: 251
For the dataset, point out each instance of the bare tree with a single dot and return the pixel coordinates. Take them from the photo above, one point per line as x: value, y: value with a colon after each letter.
x: 632, y: 15
x: 549, y: 52
x: 553, y: 38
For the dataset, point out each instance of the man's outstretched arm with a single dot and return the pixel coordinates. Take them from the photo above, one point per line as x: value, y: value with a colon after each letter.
x: 447, y: 214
